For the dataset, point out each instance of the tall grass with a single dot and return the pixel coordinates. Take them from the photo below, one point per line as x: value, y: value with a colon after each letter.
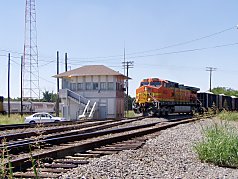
x: 219, y: 145
x: 227, y: 115
x: 13, y: 119
x: 129, y: 114
x: 5, y: 165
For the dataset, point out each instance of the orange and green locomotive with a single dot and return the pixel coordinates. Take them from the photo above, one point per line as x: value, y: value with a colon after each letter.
x: 161, y: 97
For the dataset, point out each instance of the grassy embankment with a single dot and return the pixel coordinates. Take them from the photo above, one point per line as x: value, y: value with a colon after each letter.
x: 13, y: 119
x: 220, y: 142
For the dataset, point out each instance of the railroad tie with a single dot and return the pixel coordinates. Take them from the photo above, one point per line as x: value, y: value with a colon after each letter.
x: 102, y: 152
x: 53, y: 170
x: 32, y: 175
x: 76, y: 162
x: 76, y: 157
x: 60, y: 165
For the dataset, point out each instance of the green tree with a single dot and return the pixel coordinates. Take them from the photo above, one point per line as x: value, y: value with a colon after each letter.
x: 49, y: 97
x: 226, y: 91
x: 130, y: 101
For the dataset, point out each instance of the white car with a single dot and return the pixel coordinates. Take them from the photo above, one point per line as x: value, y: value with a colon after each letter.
x: 42, y: 117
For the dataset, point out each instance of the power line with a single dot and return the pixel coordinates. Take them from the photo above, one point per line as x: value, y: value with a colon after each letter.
x: 185, y: 42
x: 35, y: 74
x: 184, y: 51
x: 113, y: 57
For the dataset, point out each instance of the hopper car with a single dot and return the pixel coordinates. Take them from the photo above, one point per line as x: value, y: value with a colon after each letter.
x: 220, y: 102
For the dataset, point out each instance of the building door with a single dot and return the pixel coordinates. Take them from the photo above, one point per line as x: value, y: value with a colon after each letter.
x: 102, y: 112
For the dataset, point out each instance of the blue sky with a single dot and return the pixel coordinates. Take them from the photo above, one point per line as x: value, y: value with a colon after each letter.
x: 173, y: 40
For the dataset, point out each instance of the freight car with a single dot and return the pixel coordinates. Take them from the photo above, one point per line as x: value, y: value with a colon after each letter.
x: 156, y: 97
x: 29, y: 107
x: 220, y: 102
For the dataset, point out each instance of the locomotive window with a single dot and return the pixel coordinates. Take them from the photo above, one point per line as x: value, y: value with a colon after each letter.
x: 144, y: 83
x: 156, y: 84
x: 170, y: 85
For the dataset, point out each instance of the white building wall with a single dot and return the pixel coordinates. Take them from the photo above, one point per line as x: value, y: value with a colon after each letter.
x: 103, y: 78
x: 88, y: 78
x: 95, y: 79
x: 80, y: 79
x: 111, y: 106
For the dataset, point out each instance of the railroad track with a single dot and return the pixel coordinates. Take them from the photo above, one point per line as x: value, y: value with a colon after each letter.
x: 48, y: 124
x: 19, y: 142
x: 69, y: 151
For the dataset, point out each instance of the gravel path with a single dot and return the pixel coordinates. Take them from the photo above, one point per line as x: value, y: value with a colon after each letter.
x: 170, y: 155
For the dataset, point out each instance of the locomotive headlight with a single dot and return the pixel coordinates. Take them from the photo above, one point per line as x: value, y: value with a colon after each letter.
x: 149, y: 99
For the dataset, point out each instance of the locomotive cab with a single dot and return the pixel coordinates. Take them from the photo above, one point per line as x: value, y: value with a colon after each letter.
x: 147, y: 90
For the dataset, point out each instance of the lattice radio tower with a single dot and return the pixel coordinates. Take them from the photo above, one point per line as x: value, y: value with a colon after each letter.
x: 31, y: 88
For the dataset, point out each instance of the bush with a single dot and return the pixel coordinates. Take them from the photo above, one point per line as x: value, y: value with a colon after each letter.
x: 219, y: 146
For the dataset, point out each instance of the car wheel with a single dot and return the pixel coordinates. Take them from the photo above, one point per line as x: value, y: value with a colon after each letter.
x: 32, y: 122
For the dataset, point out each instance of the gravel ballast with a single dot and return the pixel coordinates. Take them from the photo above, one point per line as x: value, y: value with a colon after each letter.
x: 170, y: 155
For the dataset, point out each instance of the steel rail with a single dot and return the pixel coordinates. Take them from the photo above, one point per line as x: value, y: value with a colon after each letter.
x: 29, y: 134
x: 26, y: 144
x: 47, y: 124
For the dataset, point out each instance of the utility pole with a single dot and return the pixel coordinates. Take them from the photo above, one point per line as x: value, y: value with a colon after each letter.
x: 210, y: 69
x: 124, y: 59
x: 8, y: 84
x: 21, y: 84
x: 66, y: 62
x: 57, y: 100
x: 127, y: 65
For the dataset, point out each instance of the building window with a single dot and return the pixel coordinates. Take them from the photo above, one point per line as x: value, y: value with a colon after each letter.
x: 80, y: 86
x: 95, y: 86
x: 103, y: 86
x: 89, y: 86
x: 73, y: 87
x: 110, y: 86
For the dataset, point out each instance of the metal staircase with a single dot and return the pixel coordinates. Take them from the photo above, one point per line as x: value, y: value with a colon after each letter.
x: 89, y: 107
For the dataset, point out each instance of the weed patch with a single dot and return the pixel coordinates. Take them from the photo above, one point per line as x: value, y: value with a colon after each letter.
x: 219, y: 145
x: 229, y: 116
